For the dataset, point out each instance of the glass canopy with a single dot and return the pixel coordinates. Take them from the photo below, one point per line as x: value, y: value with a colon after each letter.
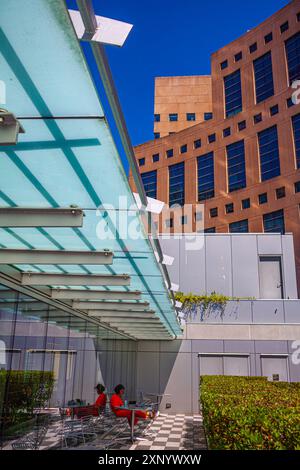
x: 67, y: 159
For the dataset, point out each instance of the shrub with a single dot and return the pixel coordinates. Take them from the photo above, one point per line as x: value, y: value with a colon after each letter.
x: 247, y: 413
x: 21, y: 392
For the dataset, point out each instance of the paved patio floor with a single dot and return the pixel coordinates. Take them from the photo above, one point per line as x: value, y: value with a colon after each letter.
x: 167, y: 432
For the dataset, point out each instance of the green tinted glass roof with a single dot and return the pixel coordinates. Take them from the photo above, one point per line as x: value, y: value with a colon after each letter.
x: 67, y: 156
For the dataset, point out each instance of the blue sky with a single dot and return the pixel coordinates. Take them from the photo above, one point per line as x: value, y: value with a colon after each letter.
x: 169, y: 37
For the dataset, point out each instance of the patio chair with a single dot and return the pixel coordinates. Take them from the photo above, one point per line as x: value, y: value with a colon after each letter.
x: 34, y: 439
x: 77, y: 430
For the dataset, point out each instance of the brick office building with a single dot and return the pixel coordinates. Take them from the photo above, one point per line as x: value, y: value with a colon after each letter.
x: 242, y: 161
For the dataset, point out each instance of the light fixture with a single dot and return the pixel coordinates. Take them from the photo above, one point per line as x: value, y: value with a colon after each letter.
x: 10, y: 128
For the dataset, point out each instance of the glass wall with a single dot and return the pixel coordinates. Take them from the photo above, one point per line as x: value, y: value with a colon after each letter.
x: 49, y: 357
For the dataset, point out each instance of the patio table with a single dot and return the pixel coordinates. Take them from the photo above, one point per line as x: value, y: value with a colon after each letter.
x: 132, y: 409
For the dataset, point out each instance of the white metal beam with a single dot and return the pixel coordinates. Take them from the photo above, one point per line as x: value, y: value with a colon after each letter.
x: 125, y: 314
x: 49, y: 279
x: 135, y: 321
x: 83, y: 294
x: 109, y: 305
x: 22, y: 256
x: 40, y: 217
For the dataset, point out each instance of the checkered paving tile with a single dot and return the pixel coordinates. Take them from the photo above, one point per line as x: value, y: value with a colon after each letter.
x: 173, y: 432
x: 167, y: 432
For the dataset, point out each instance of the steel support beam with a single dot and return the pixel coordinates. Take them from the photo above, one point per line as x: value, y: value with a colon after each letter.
x: 37, y: 217
x: 49, y: 279
x: 131, y: 321
x: 20, y: 256
x: 115, y: 306
x: 70, y: 294
x: 111, y: 313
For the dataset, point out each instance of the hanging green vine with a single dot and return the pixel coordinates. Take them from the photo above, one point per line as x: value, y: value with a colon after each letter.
x: 204, y: 305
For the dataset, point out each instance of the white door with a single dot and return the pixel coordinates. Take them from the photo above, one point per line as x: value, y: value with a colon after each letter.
x: 211, y: 365
x: 270, y: 277
x: 275, y: 368
x: 236, y: 365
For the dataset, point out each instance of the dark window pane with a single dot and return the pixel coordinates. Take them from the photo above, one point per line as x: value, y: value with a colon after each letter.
x: 238, y: 56
x: 296, y: 132
x: 156, y: 135
x: 246, y: 203
x: 176, y: 184
x: 263, y: 77
x: 284, y: 27
x: 208, y: 116
x: 269, y: 153
x: 274, y: 110
x: 150, y: 183
x: 191, y: 117
x: 197, y: 143
x: 226, y: 132
x: 274, y: 222
x: 183, y: 148
x: 257, y: 118
x: 173, y: 117
x: 268, y: 38
x: 280, y: 192
x: 292, y: 47
x: 263, y: 198
x: 240, y: 226
x: 141, y: 161
x: 210, y: 230
x: 236, y: 166
x: 224, y: 64
x: 213, y: 212
x: 253, y: 48
x: 297, y: 187
x: 242, y: 125
x: 156, y: 117
x: 169, y: 153
x: 229, y: 208
x: 211, y: 138
x: 233, y: 93
x: 155, y: 158
x: 206, y: 179
x: 289, y: 102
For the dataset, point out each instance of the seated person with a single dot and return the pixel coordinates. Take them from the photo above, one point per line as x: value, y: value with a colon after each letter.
x: 96, y: 408
x: 101, y: 400
x: 116, y: 401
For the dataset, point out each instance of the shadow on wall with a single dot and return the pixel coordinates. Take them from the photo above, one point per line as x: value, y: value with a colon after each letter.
x: 117, y: 364
x: 164, y: 367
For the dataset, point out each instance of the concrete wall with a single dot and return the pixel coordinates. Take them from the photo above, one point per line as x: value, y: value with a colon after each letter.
x: 228, y: 263
x: 174, y: 368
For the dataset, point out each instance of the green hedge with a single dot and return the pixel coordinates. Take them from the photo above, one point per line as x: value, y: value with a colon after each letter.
x: 250, y: 413
x: 21, y: 392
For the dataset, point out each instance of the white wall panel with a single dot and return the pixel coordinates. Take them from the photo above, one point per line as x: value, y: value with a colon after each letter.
x: 218, y: 266
x: 269, y: 244
x: 245, y: 266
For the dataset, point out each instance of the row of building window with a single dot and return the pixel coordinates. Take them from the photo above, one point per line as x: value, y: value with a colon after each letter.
x: 269, y: 160
x: 241, y: 125
x: 236, y: 166
x: 257, y: 118
x: 263, y: 77
x: 173, y: 117
x: 253, y: 47
x: 273, y: 222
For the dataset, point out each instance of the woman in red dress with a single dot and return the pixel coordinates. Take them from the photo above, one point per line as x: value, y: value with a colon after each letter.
x: 101, y: 400
x: 116, y: 401
x: 96, y: 408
